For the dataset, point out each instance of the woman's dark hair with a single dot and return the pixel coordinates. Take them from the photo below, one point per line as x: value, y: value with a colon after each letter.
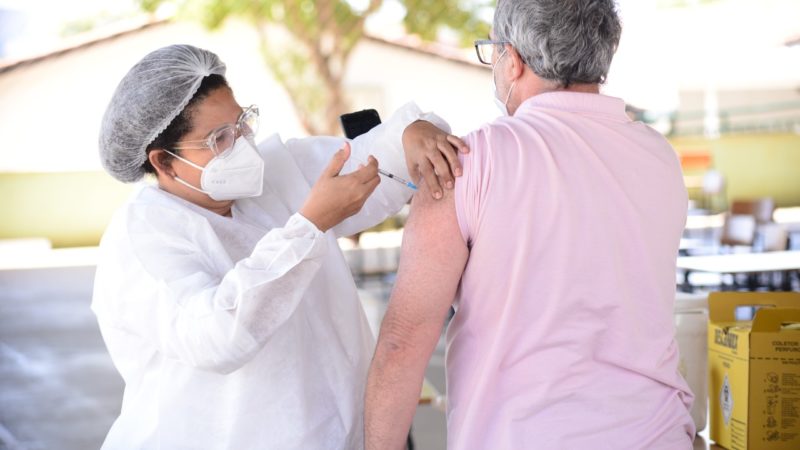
x: 182, y: 123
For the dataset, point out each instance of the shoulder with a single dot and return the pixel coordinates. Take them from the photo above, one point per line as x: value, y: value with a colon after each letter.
x: 275, y: 149
x: 482, y: 137
x: 162, y: 235
x: 154, y: 218
x: 492, y: 141
x: 270, y: 144
x: 296, y: 145
x: 501, y: 132
x: 155, y: 207
x: 654, y: 143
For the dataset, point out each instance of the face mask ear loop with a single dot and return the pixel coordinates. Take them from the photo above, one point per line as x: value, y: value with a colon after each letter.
x: 509, y: 93
x: 185, y: 160
x: 505, y: 50
x: 186, y: 183
x: 180, y: 180
x: 502, y: 105
x: 494, y: 66
x: 513, y: 83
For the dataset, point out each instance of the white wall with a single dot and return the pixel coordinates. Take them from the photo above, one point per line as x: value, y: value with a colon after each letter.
x: 50, y: 111
x: 459, y: 92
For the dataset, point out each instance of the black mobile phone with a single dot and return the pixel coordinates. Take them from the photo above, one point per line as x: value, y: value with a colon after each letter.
x: 359, y: 122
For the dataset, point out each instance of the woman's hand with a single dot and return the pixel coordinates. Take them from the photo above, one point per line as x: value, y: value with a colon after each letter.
x: 432, y: 154
x: 335, y: 197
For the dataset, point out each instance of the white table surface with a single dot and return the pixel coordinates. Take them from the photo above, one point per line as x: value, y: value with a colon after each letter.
x: 742, y: 262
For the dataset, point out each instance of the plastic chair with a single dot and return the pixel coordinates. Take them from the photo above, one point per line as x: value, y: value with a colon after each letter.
x: 738, y: 230
x: 773, y: 237
x: 760, y: 208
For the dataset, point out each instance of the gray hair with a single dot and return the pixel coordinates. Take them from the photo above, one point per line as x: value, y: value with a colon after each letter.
x: 564, y: 41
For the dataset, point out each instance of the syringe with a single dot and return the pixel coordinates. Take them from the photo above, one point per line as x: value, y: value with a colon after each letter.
x: 398, y: 179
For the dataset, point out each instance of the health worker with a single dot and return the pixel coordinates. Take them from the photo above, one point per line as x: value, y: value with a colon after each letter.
x: 221, y: 293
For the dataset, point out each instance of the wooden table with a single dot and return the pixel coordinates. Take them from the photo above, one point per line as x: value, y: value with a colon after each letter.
x: 742, y: 263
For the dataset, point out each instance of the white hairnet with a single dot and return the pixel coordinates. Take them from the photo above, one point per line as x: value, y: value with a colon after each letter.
x: 146, y: 101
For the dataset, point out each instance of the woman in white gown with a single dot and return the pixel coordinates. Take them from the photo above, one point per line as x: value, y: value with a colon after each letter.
x: 221, y: 292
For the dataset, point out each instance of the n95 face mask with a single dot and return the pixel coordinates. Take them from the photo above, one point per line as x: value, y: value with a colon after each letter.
x: 239, y: 174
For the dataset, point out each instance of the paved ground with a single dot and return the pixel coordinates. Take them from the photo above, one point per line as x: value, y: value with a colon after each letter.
x: 58, y: 388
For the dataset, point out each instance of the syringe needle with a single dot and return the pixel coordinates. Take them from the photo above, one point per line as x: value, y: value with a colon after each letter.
x: 398, y: 179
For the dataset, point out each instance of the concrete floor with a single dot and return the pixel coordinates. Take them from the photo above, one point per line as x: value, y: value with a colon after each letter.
x: 58, y: 387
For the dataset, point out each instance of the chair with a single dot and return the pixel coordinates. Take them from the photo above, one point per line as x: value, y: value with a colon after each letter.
x: 738, y: 230
x: 761, y: 208
x: 738, y: 235
x: 750, y: 224
x: 773, y: 237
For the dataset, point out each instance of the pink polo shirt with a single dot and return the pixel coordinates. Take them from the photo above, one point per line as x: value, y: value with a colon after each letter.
x: 563, y: 336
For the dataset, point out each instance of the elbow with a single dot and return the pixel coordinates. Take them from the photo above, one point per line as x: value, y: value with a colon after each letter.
x: 389, y: 349
x: 397, y: 344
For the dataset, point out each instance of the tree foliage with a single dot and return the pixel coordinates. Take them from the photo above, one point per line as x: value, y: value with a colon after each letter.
x: 318, y: 36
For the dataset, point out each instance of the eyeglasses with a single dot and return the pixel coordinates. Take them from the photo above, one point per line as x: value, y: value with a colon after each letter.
x: 221, y: 139
x: 485, y: 48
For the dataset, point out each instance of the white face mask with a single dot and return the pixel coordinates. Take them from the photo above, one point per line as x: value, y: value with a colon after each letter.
x: 239, y: 174
x: 501, y: 105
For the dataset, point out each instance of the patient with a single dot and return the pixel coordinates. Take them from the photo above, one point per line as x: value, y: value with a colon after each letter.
x: 557, y: 250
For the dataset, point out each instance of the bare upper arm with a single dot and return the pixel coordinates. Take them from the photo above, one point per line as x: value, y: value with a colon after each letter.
x: 432, y: 261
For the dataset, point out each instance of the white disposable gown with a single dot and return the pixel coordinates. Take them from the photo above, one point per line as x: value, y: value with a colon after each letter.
x: 243, y: 332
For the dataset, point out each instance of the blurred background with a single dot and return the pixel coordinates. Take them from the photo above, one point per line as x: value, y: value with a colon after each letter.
x: 719, y: 78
